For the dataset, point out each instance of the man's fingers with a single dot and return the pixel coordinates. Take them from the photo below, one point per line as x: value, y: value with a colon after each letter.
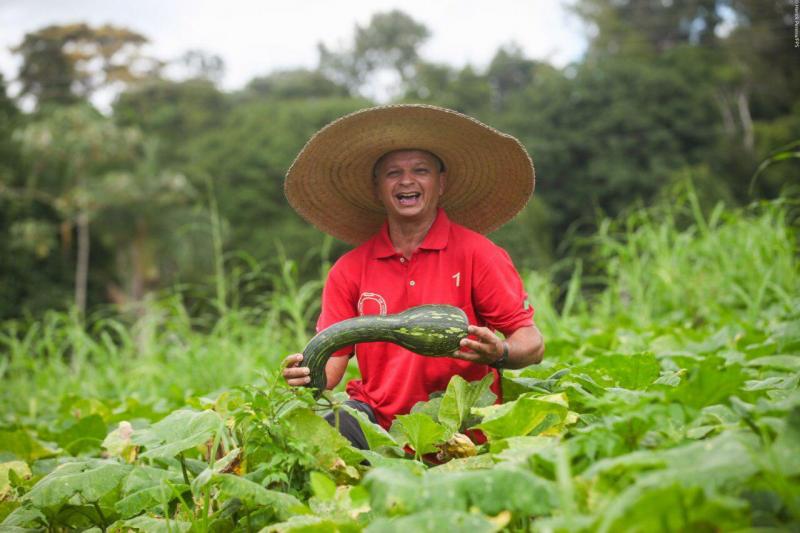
x: 476, y: 346
x: 294, y: 374
x: 467, y: 356
x: 293, y: 360
x: 297, y: 382
x: 484, y: 334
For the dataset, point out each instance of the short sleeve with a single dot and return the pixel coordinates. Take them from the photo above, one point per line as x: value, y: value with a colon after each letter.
x: 498, y: 293
x: 339, y: 301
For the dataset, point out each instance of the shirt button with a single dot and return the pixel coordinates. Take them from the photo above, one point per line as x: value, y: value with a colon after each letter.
x: 402, y: 259
x: 411, y: 283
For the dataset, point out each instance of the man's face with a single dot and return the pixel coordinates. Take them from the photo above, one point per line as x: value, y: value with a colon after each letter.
x: 409, y: 183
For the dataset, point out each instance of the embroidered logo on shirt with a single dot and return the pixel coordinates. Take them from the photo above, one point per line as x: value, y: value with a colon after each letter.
x: 377, y: 298
x: 457, y: 277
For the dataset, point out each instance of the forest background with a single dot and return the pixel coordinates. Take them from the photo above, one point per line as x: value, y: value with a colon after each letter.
x: 180, y: 182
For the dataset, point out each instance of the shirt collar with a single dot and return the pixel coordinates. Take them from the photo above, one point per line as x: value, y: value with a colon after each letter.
x: 436, y: 238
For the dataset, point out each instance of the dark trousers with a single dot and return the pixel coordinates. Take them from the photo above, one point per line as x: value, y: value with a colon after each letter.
x: 348, y: 425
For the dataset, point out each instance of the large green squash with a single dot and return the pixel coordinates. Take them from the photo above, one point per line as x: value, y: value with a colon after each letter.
x: 432, y: 330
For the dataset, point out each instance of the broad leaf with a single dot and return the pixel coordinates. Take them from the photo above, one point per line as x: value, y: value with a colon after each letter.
x: 85, y: 435
x: 433, y: 520
x: 147, y: 487
x: 322, y: 439
x: 254, y: 495
x: 459, y: 398
x: 180, y: 431
x: 23, y: 446
x: 89, y: 480
x: 781, y: 362
x: 376, y: 436
x: 493, y: 491
x: 526, y: 415
x: 786, y: 447
x: 150, y: 524
x: 634, y: 371
x: 314, y: 524
x: 419, y: 431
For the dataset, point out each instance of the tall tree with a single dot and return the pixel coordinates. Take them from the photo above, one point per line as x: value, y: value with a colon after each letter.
x: 72, y: 150
x: 389, y: 44
x: 65, y: 63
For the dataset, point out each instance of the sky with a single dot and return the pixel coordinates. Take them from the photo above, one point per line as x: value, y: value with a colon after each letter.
x: 256, y: 37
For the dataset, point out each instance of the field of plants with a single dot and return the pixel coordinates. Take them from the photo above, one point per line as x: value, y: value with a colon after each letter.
x: 668, y: 401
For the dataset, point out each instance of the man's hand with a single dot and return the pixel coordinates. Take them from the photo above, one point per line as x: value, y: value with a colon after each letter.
x: 485, y: 350
x: 525, y: 347
x: 293, y: 373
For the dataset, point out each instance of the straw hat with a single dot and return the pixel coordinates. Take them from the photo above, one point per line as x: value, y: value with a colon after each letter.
x: 489, y: 174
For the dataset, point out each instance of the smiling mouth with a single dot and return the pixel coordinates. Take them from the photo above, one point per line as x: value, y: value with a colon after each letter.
x: 407, y: 198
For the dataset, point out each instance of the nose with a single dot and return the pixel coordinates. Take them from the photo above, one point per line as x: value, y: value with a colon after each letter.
x: 407, y: 176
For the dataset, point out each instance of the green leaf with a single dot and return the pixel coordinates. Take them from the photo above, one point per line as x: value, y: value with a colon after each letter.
x: 393, y: 491
x: 254, y: 495
x: 314, y: 524
x: 24, y: 517
x: 376, y: 436
x: 322, y: 486
x: 781, y: 362
x: 786, y: 447
x: 459, y: 398
x: 433, y: 521
x: 151, y: 524
x: 419, y: 431
x: 526, y: 415
x: 476, y: 462
x: 634, y: 371
x: 321, y: 439
x: 88, y: 480
x: 709, y: 381
x: 179, y: 431
x: 430, y: 408
x: 396, y: 492
x: 23, y: 446
x: 85, y: 435
x: 147, y: 487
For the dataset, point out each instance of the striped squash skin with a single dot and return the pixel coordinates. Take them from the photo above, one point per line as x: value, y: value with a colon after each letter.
x: 432, y: 330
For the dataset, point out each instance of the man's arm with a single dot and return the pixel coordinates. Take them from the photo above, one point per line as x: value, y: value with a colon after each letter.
x: 525, y: 347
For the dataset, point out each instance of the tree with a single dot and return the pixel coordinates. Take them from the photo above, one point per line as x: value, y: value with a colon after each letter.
x: 62, y: 64
x: 294, y: 84
x: 389, y: 44
x: 174, y: 112
x: 72, y: 150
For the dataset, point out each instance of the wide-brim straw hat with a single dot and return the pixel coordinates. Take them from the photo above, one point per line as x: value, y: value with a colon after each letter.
x: 490, y: 176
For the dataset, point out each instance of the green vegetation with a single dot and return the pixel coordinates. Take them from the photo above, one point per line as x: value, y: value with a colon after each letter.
x: 668, y: 400
x: 153, y: 277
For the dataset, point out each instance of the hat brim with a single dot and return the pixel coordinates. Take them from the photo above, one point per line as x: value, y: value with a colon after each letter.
x: 490, y: 176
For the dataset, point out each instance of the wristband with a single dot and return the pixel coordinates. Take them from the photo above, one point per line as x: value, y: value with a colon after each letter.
x: 501, y: 363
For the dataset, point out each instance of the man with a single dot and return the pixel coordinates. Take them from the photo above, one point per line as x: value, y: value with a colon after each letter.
x: 414, y: 187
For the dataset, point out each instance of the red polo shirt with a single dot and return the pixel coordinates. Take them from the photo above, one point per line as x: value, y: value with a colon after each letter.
x: 453, y: 265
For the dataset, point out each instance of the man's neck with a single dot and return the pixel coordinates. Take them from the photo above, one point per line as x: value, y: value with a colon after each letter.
x: 407, y: 235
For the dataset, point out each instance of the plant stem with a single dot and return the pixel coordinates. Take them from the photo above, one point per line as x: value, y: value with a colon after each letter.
x: 183, y: 469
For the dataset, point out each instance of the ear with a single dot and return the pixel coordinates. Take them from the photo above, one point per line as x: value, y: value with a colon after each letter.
x: 442, y: 182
